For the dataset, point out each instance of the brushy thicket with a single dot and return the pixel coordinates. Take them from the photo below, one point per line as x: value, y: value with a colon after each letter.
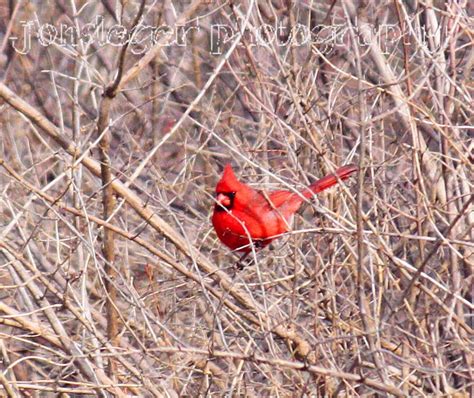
x: 113, y: 282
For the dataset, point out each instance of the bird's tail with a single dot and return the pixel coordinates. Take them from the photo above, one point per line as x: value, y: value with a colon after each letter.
x: 341, y: 174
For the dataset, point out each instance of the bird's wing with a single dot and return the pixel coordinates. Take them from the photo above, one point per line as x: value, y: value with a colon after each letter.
x: 278, y: 198
x: 286, y: 202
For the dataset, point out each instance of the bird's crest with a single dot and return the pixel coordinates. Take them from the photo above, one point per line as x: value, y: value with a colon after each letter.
x: 228, y: 182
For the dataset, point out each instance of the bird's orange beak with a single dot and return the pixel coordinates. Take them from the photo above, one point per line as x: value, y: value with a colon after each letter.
x: 223, y: 199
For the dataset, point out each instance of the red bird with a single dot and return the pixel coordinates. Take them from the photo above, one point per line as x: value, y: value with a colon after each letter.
x: 243, y: 214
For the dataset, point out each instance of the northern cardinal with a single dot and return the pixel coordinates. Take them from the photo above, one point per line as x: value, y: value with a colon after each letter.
x: 242, y: 213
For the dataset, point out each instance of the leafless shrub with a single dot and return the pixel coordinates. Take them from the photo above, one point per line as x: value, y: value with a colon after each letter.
x: 112, y: 279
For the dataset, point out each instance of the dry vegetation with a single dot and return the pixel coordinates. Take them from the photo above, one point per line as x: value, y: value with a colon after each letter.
x: 113, y: 282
